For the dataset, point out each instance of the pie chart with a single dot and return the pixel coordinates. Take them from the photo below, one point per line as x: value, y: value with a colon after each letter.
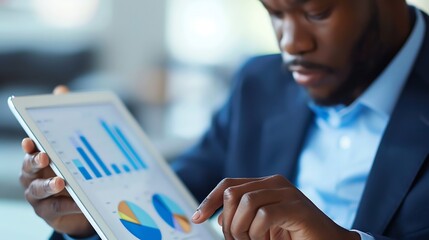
x: 171, y: 213
x: 138, y: 222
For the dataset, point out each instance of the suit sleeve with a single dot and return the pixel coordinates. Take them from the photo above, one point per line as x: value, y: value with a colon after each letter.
x: 56, y: 236
x: 203, y: 166
x: 382, y: 238
x: 61, y: 236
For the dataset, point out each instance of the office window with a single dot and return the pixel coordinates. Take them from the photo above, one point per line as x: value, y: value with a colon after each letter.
x: 217, y: 32
x: 31, y: 20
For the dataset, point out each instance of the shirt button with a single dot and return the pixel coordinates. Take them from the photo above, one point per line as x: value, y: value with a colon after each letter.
x: 345, y: 142
x: 334, y: 121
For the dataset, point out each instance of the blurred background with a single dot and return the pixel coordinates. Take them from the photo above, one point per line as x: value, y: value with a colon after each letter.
x: 171, y: 61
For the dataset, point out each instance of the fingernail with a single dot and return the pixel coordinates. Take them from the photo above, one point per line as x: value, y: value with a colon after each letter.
x: 53, y: 184
x: 196, y: 215
x: 48, y: 185
x: 37, y: 159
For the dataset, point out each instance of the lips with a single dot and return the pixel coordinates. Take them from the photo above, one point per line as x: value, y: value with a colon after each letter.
x: 308, y: 77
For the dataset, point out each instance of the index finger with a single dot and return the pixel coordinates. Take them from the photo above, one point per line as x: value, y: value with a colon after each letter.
x: 214, y: 200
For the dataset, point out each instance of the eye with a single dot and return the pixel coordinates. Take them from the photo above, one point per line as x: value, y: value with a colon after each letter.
x: 319, y: 16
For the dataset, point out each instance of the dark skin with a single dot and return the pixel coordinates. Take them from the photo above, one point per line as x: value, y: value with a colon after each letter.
x: 321, y: 41
x: 335, y: 49
x: 343, y: 45
x: 47, y: 194
x: 268, y: 208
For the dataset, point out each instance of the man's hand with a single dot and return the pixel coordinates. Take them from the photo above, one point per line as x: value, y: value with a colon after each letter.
x: 268, y: 208
x: 46, y: 192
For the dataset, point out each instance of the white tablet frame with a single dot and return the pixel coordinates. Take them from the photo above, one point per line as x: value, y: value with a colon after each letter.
x: 19, y: 106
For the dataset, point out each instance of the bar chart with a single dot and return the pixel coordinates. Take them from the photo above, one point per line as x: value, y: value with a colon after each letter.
x: 106, y: 159
x: 82, y: 169
x: 92, y: 165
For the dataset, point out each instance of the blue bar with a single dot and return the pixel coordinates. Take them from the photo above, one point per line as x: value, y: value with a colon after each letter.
x: 95, y: 155
x: 113, y: 137
x: 127, y: 143
x: 126, y: 168
x: 89, y: 162
x: 116, y: 169
x: 82, y: 169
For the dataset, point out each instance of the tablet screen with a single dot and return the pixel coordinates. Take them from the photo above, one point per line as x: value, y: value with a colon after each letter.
x: 122, y: 180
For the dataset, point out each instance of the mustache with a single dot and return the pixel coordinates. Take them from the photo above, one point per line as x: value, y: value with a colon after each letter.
x: 308, y: 65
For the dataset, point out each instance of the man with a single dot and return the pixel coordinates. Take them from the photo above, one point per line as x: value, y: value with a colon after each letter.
x: 345, y: 126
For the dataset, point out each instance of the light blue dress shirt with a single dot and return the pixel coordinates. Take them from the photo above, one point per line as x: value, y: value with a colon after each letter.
x: 341, y: 145
x: 342, y: 142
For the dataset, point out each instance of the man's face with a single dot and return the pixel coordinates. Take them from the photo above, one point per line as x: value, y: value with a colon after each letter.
x: 331, y: 46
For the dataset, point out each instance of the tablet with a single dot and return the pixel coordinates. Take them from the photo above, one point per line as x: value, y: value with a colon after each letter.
x: 121, y: 183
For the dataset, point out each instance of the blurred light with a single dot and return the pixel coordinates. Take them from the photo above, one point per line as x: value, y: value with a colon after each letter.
x: 423, y: 4
x: 66, y: 13
x: 213, y: 32
x: 198, y: 31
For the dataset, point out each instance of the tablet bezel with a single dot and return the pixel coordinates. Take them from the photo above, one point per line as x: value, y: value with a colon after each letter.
x: 19, y: 106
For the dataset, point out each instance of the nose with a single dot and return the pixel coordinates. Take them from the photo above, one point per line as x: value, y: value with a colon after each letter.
x: 295, y: 38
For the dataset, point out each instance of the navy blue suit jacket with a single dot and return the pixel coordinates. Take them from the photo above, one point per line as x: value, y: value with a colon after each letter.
x: 261, y: 129
x: 260, y: 132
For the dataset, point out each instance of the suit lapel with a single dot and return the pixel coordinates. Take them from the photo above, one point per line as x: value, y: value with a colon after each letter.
x: 283, y: 134
x: 401, y: 153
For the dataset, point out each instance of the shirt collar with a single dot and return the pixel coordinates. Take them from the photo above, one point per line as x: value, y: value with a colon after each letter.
x: 382, y: 94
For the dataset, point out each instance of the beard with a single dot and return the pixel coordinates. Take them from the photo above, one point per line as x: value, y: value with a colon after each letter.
x: 368, y: 57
